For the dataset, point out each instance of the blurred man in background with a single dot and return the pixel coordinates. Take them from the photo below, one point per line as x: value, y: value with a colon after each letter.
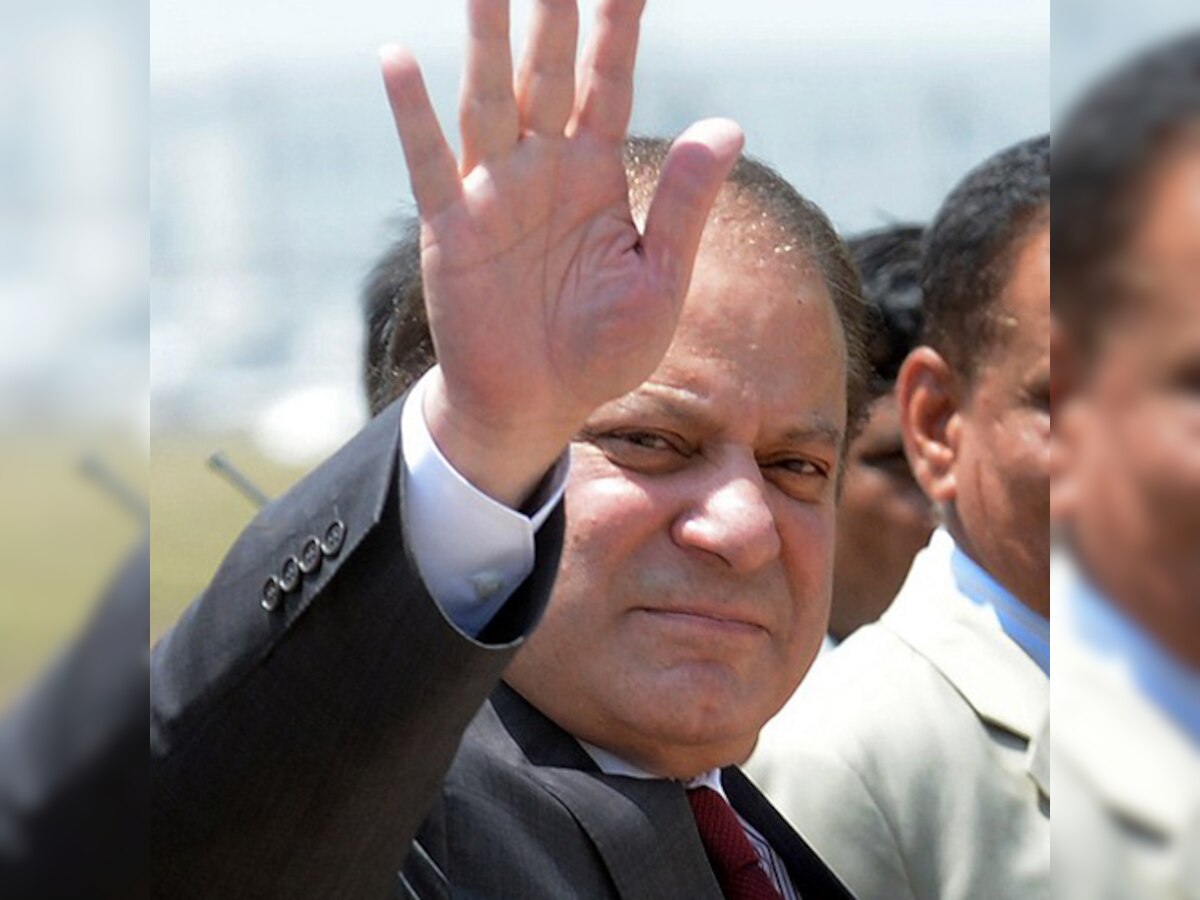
x: 915, y: 757
x: 1126, y: 491
x: 883, y: 517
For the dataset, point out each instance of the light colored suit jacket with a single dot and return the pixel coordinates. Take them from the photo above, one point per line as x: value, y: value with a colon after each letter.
x: 914, y: 758
x: 1127, y: 823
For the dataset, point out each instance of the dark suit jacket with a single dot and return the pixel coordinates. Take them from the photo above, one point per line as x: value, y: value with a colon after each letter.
x: 295, y: 753
x: 525, y: 812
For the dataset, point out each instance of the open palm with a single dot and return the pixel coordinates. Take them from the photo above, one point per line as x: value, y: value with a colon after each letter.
x: 544, y: 298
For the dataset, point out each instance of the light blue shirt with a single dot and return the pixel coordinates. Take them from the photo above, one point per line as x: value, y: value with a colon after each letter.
x: 1028, y: 629
x: 1170, y: 684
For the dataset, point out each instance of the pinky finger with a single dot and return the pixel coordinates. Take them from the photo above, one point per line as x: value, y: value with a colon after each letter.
x: 431, y: 165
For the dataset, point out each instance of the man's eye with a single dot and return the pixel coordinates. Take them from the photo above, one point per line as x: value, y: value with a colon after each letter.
x: 1188, y: 380
x: 646, y: 451
x: 645, y: 440
x: 800, y: 466
x: 802, y: 478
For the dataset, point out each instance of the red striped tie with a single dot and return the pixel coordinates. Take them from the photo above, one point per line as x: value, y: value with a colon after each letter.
x: 729, y: 851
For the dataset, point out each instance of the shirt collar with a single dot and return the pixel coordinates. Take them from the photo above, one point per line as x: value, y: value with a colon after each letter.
x: 1106, y: 630
x: 611, y: 764
x: 1028, y: 630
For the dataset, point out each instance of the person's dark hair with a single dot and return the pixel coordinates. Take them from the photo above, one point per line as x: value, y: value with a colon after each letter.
x: 889, y: 263
x: 970, y: 247
x: 399, y: 347
x: 1108, y: 147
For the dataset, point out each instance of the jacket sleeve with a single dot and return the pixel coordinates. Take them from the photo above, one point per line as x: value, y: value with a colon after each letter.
x: 295, y: 750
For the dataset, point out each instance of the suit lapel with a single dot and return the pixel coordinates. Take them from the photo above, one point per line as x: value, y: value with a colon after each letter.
x: 1037, y: 760
x: 810, y: 876
x: 965, y: 644
x: 642, y: 829
x: 1137, y: 766
x: 1137, y: 769
x: 1135, y: 757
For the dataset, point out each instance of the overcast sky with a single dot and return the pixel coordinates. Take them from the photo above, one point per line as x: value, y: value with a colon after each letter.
x: 197, y: 36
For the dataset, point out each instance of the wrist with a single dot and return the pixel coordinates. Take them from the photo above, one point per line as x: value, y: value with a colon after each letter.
x: 500, y: 456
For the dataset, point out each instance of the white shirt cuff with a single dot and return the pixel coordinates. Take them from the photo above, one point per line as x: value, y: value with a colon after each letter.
x: 472, y: 551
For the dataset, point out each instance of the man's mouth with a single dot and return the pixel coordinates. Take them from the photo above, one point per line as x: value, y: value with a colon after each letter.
x: 729, y: 622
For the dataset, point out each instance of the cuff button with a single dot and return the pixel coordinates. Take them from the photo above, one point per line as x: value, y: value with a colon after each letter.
x: 289, y: 575
x: 335, y: 537
x: 487, y: 585
x: 272, y: 594
x: 310, y: 556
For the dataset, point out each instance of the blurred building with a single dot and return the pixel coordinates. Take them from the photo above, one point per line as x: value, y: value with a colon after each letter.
x: 73, y: 313
x: 273, y: 188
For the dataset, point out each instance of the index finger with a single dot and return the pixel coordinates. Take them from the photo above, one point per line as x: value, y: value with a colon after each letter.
x: 431, y: 166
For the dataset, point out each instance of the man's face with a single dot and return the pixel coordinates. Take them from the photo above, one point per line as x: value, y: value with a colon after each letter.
x: 1002, y: 465
x: 883, y: 520
x: 694, y: 586
x: 1133, y: 434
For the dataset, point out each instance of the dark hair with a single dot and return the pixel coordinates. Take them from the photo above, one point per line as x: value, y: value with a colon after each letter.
x: 1109, y: 145
x: 889, y: 263
x: 970, y: 246
x: 399, y: 347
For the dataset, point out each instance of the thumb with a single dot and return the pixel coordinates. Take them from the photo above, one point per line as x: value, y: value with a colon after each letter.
x: 691, y: 177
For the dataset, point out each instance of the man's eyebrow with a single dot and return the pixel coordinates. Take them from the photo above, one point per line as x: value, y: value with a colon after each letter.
x: 818, y: 430
x: 656, y: 403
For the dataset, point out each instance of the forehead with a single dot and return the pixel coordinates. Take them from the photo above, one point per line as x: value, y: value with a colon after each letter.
x: 1022, y: 315
x: 1161, y: 321
x: 759, y: 336
x: 1155, y: 323
x: 1166, y: 248
x: 1171, y: 228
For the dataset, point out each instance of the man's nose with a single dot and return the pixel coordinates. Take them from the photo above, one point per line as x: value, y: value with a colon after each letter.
x: 730, y: 518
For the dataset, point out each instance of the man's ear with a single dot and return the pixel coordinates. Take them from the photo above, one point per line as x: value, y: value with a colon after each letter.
x: 929, y: 394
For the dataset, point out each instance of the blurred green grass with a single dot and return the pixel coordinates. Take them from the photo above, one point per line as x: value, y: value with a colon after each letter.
x: 63, y: 536
x: 196, y: 515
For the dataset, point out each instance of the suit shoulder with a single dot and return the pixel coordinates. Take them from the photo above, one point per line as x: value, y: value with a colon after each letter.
x: 498, y: 831
x: 862, y: 683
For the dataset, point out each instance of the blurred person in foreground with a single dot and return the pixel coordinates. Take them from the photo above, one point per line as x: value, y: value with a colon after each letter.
x: 73, y: 781
x: 883, y: 518
x: 1126, y: 491
x: 915, y: 757
x: 683, y: 330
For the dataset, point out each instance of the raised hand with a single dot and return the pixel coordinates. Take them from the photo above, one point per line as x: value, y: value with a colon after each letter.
x: 544, y: 299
